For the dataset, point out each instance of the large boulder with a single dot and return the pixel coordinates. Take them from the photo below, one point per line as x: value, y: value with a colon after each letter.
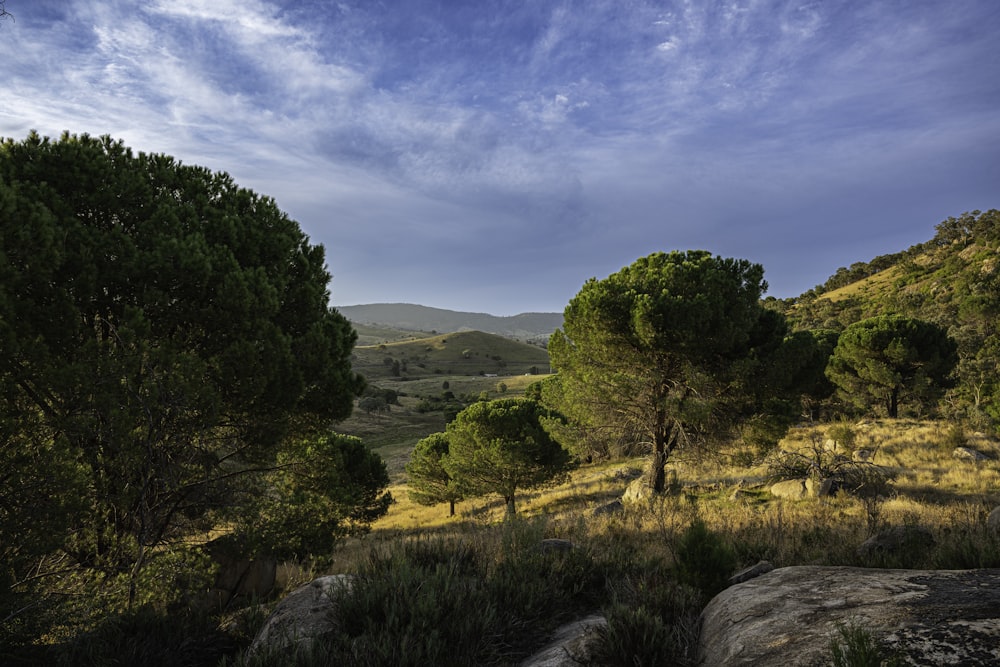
x: 789, y: 616
x: 306, y: 614
x: 571, y: 645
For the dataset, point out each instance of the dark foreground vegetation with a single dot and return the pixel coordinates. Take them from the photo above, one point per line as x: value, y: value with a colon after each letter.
x: 175, y: 394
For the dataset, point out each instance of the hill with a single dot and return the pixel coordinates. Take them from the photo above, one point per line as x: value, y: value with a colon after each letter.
x: 463, y: 353
x: 952, y: 280
x: 411, y: 317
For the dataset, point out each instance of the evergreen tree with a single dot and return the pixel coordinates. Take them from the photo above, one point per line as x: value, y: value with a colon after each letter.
x: 886, y: 361
x: 500, y: 446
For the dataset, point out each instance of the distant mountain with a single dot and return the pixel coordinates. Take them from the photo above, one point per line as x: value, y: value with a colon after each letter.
x: 411, y: 317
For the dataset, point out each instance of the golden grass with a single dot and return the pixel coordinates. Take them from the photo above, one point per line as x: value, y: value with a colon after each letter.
x: 931, y: 488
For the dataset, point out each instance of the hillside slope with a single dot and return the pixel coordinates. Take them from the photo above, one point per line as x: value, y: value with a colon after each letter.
x: 952, y: 280
x: 411, y: 317
x: 459, y: 353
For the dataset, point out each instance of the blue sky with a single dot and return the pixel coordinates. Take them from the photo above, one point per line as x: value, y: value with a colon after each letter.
x: 491, y: 155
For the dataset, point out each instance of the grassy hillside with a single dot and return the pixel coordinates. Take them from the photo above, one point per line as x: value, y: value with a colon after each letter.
x: 467, y: 353
x: 952, y: 280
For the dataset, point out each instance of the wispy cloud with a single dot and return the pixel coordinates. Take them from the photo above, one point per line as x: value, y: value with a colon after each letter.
x: 479, y: 138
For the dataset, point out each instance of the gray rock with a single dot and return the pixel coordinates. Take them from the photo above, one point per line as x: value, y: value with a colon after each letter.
x: 637, y: 492
x: 614, y: 507
x: 554, y: 544
x: 969, y: 454
x: 305, y: 615
x: 791, y: 489
x: 752, y: 572
x: 789, y: 616
x: 993, y: 520
x: 572, y: 644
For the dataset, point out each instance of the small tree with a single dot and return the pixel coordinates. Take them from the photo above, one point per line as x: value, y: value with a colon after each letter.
x: 500, y: 446
x: 429, y: 482
x: 889, y: 360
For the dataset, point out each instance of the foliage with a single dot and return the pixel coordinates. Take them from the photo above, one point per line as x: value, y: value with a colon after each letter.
x: 953, y: 281
x: 148, y: 637
x: 668, y: 349
x: 457, y: 602
x: 704, y: 560
x: 428, y: 481
x: 886, y: 361
x: 161, y: 331
x: 500, y: 446
x: 321, y: 489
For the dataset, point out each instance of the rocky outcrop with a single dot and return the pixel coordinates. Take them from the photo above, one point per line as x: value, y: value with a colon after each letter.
x: 789, y: 616
x: 572, y: 644
x: 306, y: 614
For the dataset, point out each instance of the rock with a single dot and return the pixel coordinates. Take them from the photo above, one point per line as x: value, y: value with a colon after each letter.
x: 614, y: 507
x: 305, y: 615
x: 897, y: 540
x: 829, y: 487
x: 862, y: 455
x: 638, y: 491
x: 789, y: 616
x: 969, y: 454
x: 554, y: 544
x: 993, y: 520
x: 572, y: 644
x: 752, y: 572
x: 791, y: 489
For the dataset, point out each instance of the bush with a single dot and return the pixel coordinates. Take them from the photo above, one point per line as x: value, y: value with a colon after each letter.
x: 704, y: 560
x: 452, y: 602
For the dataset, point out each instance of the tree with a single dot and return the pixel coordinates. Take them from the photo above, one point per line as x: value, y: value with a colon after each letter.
x: 803, y: 361
x: 500, y: 446
x: 162, y: 327
x: 429, y: 483
x: 661, y: 347
x: 890, y: 360
x: 321, y: 489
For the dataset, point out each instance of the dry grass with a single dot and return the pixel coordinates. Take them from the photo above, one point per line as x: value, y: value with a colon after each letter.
x: 948, y: 496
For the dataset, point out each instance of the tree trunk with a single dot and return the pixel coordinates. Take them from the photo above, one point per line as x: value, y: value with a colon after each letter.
x: 893, y: 403
x: 657, y: 478
x: 451, y: 510
x: 511, y: 510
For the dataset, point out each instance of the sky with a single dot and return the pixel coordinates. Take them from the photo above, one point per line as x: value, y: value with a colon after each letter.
x: 491, y: 155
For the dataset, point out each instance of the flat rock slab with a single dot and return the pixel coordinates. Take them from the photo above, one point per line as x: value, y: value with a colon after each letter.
x: 788, y: 616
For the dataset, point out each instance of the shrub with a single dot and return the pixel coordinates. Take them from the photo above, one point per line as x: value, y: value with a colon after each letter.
x: 704, y: 560
x: 857, y: 647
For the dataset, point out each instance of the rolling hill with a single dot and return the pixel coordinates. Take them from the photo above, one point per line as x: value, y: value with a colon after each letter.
x: 411, y: 317
x: 463, y: 353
